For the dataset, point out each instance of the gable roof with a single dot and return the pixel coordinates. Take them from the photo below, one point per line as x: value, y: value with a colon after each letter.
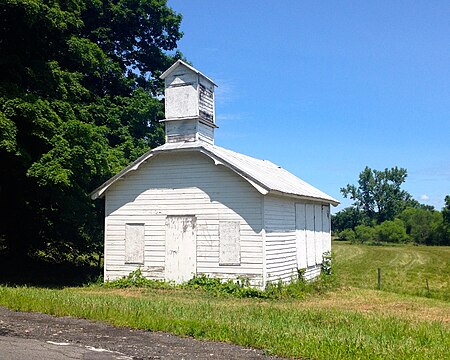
x: 264, y: 175
x: 181, y: 62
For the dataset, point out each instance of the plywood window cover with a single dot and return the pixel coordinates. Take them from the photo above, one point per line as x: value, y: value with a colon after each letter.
x: 132, y: 261
x: 229, y: 243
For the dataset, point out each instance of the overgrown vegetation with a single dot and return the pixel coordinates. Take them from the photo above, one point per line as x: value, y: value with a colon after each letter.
x: 384, y: 213
x: 299, y: 288
x: 404, y: 320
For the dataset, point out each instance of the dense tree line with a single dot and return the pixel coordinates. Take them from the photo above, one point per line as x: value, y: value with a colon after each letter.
x: 383, y: 212
x: 80, y: 98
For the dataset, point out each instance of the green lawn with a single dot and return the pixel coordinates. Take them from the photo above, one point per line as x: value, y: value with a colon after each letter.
x: 404, y: 269
x: 350, y: 322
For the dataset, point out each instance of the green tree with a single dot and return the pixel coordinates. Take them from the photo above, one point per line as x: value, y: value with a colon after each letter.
x: 422, y: 225
x: 378, y: 194
x: 446, y: 211
x: 444, y: 228
x: 347, y: 218
x: 79, y: 99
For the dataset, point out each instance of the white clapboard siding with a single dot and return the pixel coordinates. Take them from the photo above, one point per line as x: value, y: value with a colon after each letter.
x: 280, y: 239
x: 205, y: 133
x: 184, y: 184
x: 312, y: 272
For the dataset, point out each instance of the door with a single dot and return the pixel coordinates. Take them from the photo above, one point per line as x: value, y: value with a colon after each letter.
x: 181, y: 251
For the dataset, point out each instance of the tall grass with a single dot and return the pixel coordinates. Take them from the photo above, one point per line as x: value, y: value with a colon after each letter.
x: 310, y: 321
x: 407, y: 269
x: 285, y: 328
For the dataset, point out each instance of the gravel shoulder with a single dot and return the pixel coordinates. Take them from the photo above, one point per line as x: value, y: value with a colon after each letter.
x: 106, y: 339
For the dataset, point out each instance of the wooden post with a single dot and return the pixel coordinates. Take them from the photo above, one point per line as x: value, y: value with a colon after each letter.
x: 379, y: 278
x: 428, y: 288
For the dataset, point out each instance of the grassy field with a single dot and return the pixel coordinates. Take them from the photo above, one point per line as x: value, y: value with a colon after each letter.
x: 404, y: 269
x: 350, y: 322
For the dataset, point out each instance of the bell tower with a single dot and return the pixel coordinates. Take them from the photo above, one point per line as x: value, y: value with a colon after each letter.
x: 189, y: 104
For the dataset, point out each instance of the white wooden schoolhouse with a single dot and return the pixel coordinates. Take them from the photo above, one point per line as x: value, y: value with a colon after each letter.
x: 190, y: 207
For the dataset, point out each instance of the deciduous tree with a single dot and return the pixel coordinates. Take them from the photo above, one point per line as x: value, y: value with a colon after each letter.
x: 378, y: 193
x: 79, y: 99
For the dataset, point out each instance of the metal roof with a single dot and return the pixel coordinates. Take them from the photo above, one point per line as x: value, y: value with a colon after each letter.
x: 264, y: 175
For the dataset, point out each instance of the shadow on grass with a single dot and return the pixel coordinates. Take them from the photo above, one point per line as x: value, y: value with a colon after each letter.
x: 33, y: 272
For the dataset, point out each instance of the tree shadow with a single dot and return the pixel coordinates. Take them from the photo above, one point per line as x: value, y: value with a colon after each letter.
x: 38, y: 273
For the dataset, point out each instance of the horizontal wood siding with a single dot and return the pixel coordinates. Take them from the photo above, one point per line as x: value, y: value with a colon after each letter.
x: 184, y: 184
x: 280, y: 246
x: 312, y: 272
x: 205, y: 133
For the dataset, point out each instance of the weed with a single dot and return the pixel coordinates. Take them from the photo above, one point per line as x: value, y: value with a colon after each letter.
x: 136, y: 279
x: 240, y: 288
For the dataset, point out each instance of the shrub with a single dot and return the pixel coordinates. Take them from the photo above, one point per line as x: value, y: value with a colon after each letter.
x: 392, y: 231
x: 365, y: 233
x: 347, y: 234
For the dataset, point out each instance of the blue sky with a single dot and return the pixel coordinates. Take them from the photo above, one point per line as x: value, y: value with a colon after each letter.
x: 325, y: 88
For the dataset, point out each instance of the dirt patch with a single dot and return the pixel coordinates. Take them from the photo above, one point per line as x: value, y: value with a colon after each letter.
x: 137, y: 344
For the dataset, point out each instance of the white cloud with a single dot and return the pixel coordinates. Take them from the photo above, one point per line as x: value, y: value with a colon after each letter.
x: 424, y: 197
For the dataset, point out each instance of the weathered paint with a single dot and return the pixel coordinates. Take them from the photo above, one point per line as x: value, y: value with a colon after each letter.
x: 229, y: 243
x: 184, y: 184
x: 318, y: 233
x: 181, y: 248
x: 300, y: 226
x: 280, y: 238
x: 189, y: 207
x: 326, y: 228
x: 189, y: 105
x: 134, y: 243
x: 310, y: 236
x: 182, y: 101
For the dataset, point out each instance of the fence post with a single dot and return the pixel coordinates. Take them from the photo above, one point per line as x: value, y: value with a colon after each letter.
x: 379, y: 278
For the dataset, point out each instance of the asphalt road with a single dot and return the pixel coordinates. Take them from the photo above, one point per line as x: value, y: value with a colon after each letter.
x: 14, y: 348
x: 30, y: 336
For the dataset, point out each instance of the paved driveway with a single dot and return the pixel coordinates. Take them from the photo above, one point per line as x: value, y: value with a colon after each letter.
x: 31, y: 336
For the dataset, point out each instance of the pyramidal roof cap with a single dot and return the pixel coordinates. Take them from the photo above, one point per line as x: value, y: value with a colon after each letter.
x: 181, y: 62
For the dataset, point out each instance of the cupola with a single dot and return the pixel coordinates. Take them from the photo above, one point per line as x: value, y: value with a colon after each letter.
x: 189, y: 104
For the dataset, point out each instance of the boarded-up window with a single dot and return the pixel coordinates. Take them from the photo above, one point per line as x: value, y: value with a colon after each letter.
x: 230, y: 247
x: 318, y: 233
x: 326, y: 228
x: 310, y: 236
x: 134, y: 243
x: 300, y: 223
